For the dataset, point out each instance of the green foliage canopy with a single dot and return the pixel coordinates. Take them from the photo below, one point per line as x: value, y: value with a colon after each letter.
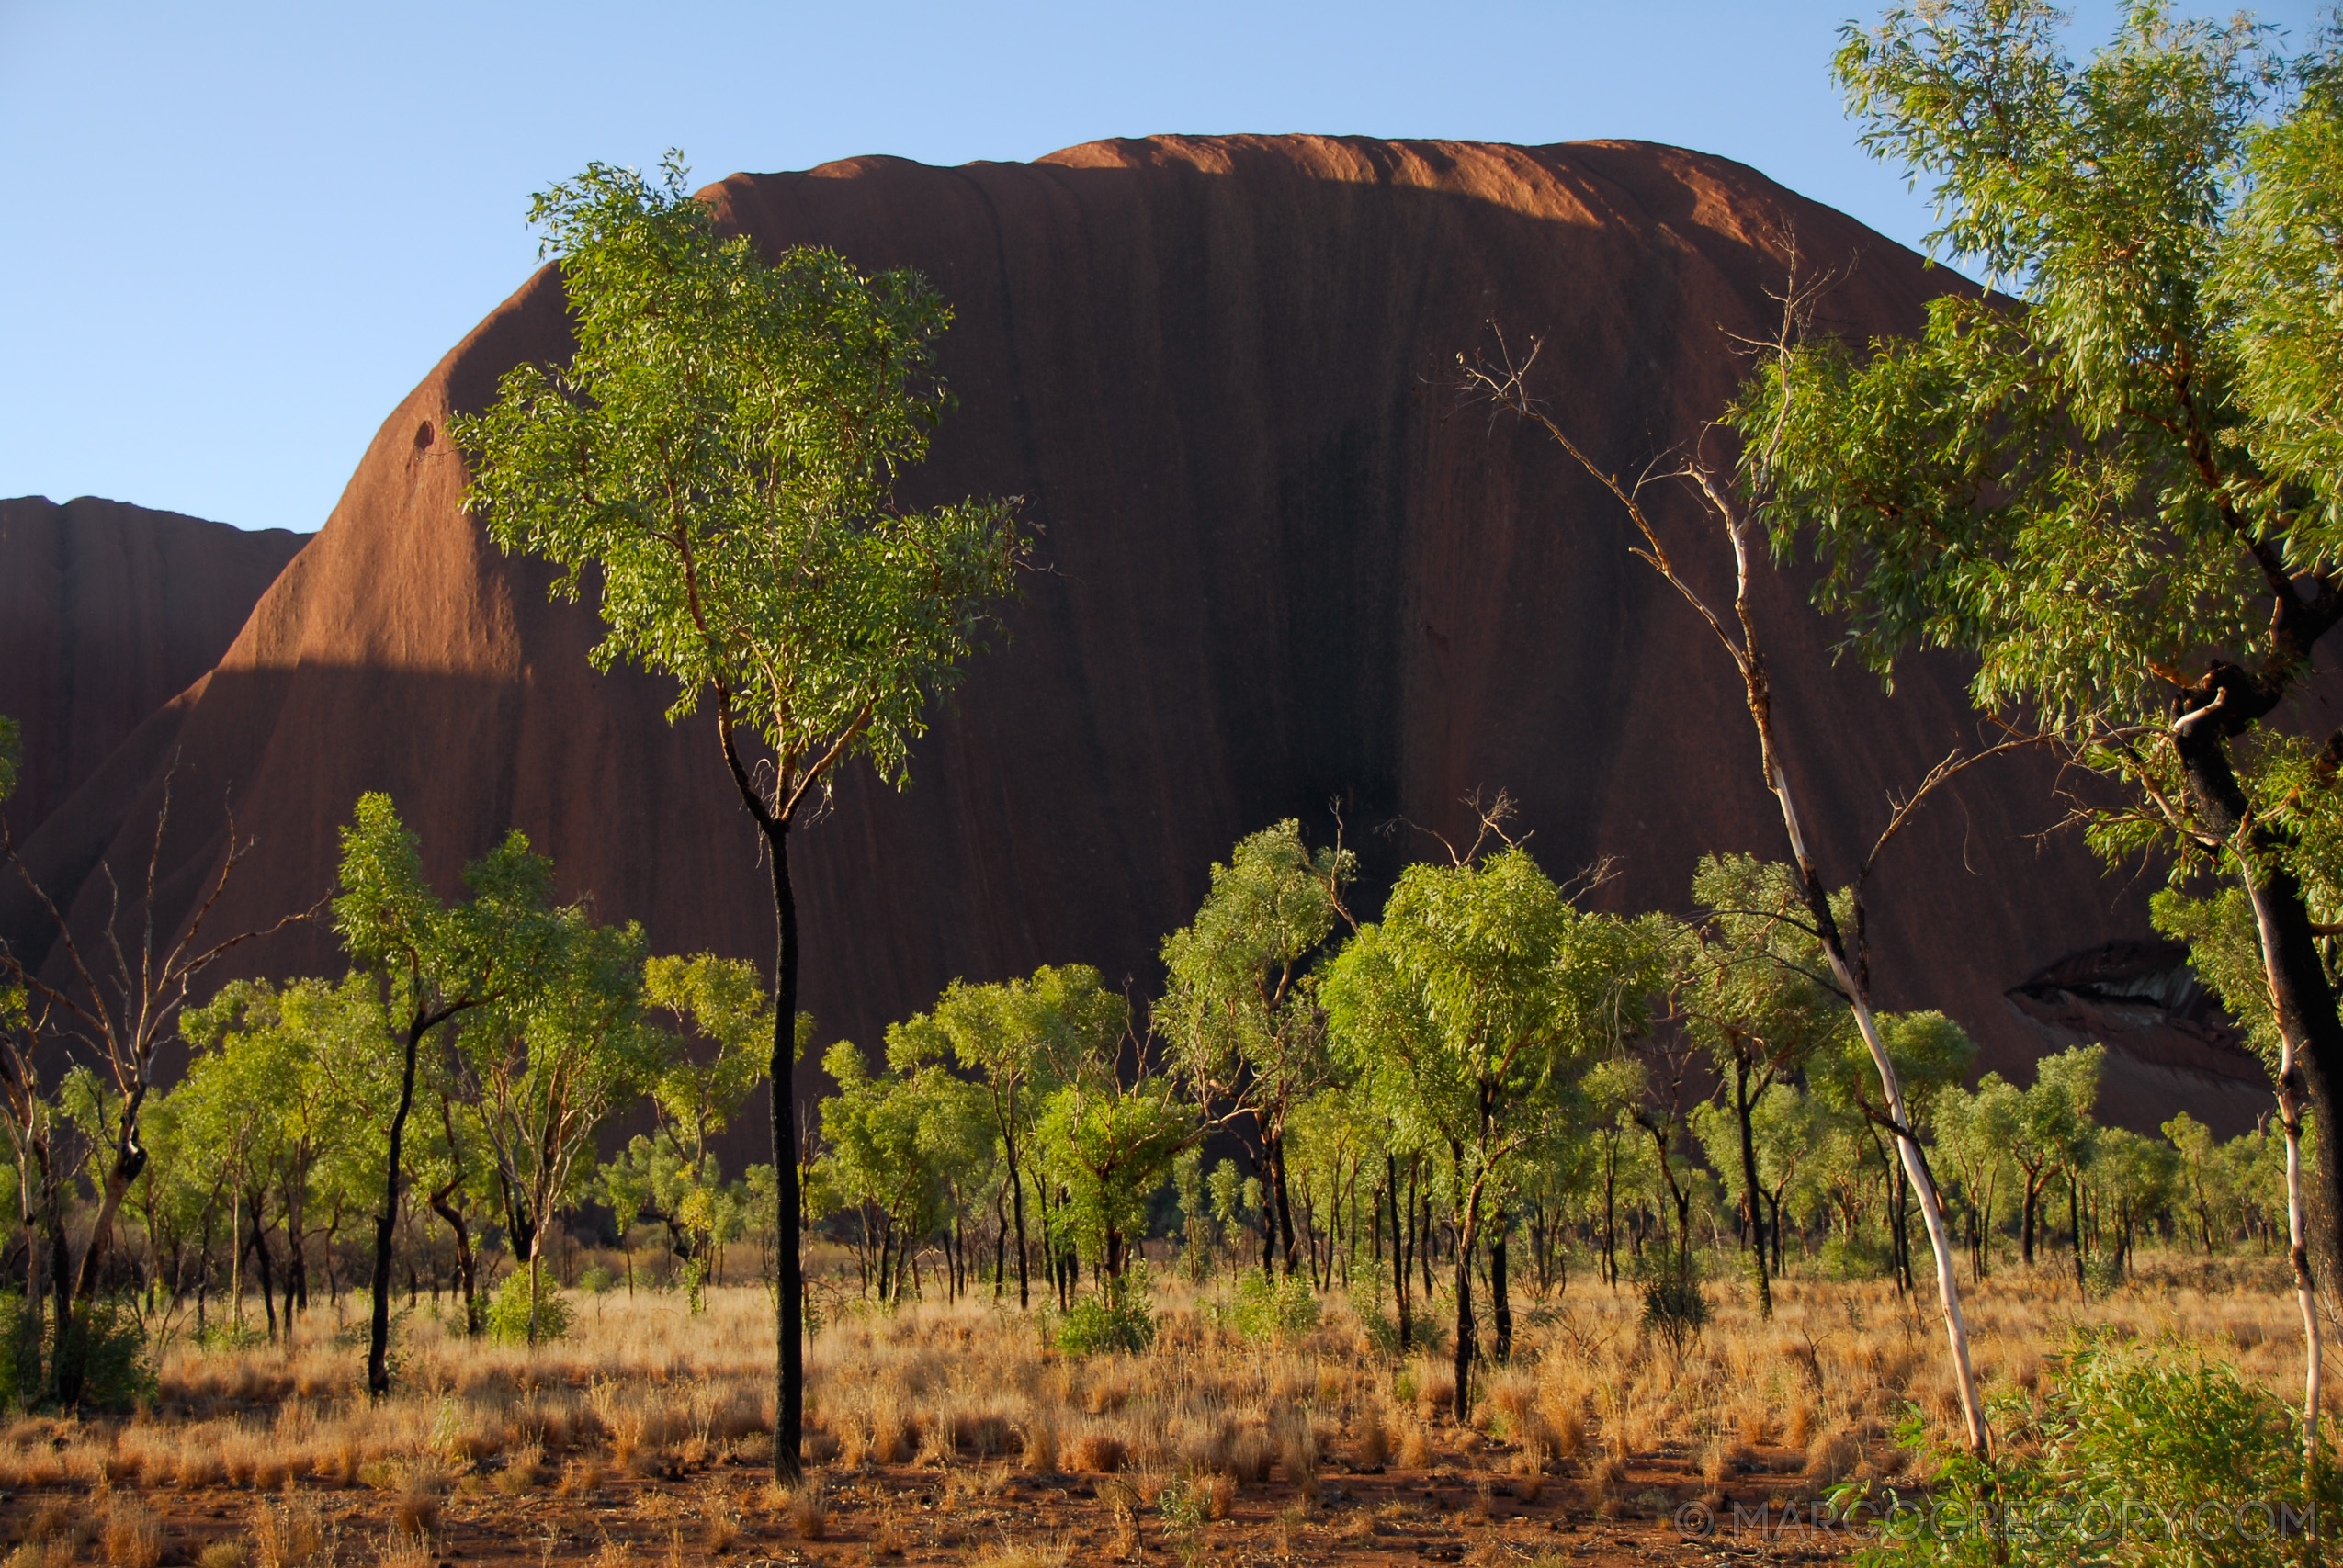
x: 721, y: 451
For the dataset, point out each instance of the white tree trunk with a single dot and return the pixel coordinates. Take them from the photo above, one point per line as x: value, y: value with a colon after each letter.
x: 1948, y: 1287
x: 2290, y: 1119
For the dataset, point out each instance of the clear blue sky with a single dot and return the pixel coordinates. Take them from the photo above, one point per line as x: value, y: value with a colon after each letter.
x: 233, y: 236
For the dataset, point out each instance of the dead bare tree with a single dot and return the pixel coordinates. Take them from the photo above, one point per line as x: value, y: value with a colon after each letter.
x: 114, y: 1011
x: 1505, y: 385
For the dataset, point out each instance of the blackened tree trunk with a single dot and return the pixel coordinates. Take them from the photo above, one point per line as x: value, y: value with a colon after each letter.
x: 1001, y: 1253
x: 1610, y: 1213
x: 2303, y: 999
x: 1401, y: 1257
x: 1284, y: 1202
x: 259, y: 1246
x: 467, y: 1275
x: 386, y: 1223
x: 1017, y: 1201
x: 2075, y: 1223
x: 788, y: 1416
x: 1268, y: 1209
x: 1425, y: 1240
x: 1901, y: 1214
x: 1467, y: 1333
x: 1752, y: 1206
x: 1500, y: 1299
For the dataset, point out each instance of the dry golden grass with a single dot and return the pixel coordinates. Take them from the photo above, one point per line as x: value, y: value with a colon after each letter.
x: 653, y: 1423
x: 293, y: 1533
x: 130, y: 1535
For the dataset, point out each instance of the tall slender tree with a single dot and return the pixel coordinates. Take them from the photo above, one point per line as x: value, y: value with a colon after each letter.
x: 1244, y: 1027
x: 547, y: 1062
x: 1020, y: 1038
x: 435, y: 962
x: 1752, y: 992
x: 720, y: 456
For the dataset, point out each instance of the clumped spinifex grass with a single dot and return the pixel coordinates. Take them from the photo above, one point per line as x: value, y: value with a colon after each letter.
x: 670, y: 1411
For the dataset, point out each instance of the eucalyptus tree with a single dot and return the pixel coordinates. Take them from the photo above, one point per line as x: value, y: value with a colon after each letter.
x: 30, y: 1117
x: 899, y: 1144
x: 282, y: 1086
x: 1105, y: 1127
x: 2056, y: 1115
x: 715, y: 1007
x: 718, y: 458
x: 1930, y: 1055
x: 1611, y: 1092
x: 2135, y: 1175
x: 1753, y: 993
x: 27, y: 1114
x: 1335, y: 1139
x: 115, y: 1002
x: 1020, y: 1038
x: 1238, y: 1007
x: 1976, y: 1131
x: 1786, y: 1130
x: 2201, y: 1172
x: 545, y: 1064
x: 1839, y: 921
x: 167, y: 1203
x: 2048, y: 1128
x: 1470, y: 1012
x: 2117, y: 491
x: 1234, y: 1198
x: 446, y: 1165
x: 434, y: 963
x: 1107, y: 1135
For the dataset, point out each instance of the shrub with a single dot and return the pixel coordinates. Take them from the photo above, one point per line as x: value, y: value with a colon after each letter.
x: 2137, y: 1454
x: 508, y: 1310
x: 20, y: 1352
x: 1118, y: 1318
x: 1675, y: 1311
x: 1854, y: 1260
x: 1269, y: 1308
x: 117, y: 1371
x: 1185, y: 1508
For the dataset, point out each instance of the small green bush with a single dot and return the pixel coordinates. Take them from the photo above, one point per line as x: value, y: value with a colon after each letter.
x: 20, y: 1352
x: 1118, y: 1318
x: 1273, y: 1308
x: 117, y: 1369
x: 227, y: 1334
x: 508, y: 1311
x: 593, y: 1279
x: 1186, y: 1511
x: 2137, y: 1454
x: 1675, y: 1311
x: 1853, y: 1261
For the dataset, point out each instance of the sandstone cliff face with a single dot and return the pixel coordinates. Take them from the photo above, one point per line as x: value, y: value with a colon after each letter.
x: 1286, y: 566
x: 106, y: 612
